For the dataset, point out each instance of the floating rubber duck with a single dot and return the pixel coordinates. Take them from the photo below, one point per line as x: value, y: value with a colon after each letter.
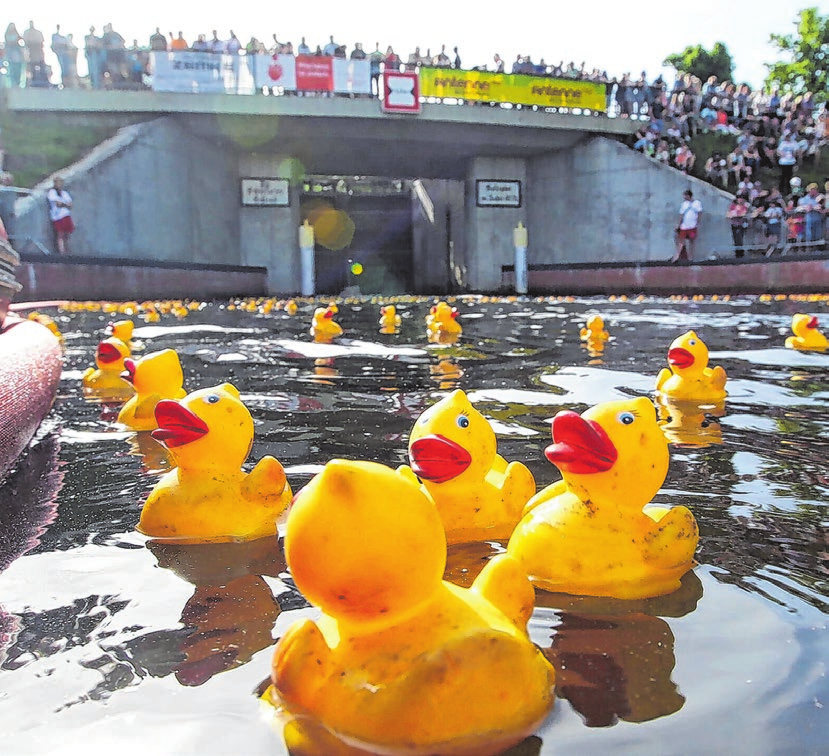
x: 207, y: 496
x: 594, y: 331
x: 323, y: 325
x: 401, y: 660
x: 806, y: 334
x: 592, y: 533
x: 452, y: 449
x: 389, y: 319
x: 155, y: 376
x: 121, y: 329
x: 291, y: 307
x: 689, y: 378
x: 442, y: 324
x: 105, y: 381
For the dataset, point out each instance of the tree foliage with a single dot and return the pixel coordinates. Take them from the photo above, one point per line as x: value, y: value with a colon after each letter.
x: 699, y: 62
x: 807, y: 53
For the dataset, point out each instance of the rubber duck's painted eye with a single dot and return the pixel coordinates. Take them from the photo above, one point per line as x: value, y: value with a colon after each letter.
x: 692, y: 342
x: 212, y: 399
x: 462, y: 421
x: 626, y: 418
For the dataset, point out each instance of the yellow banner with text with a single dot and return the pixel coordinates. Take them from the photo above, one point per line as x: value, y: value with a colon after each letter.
x: 521, y: 89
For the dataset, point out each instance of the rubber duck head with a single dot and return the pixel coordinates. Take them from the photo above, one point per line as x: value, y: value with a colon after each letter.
x: 688, y: 354
x: 155, y: 373
x: 804, y: 325
x: 595, y: 324
x: 451, y: 439
x: 396, y: 563
x: 208, y: 427
x: 613, y: 451
x: 120, y: 329
x: 110, y: 355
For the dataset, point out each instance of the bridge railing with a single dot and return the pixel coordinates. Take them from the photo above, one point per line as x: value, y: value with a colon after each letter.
x: 312, y: 75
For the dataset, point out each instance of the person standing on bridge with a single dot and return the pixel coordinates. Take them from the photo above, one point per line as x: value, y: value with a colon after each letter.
x: 60, y: 213
x: 686, y: 231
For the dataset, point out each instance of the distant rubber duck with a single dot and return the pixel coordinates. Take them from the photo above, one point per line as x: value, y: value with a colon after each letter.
x: 291, y: 307
x: 588, y: 534
x: 105, y: 380
x: 452, y: 450
x: 401, y: 660
x: 594, y: 331
x: 389, y: 319
x: 323, y: 325
x: 121, y: 329
x: 207, y: 497
x: 689, y: 378
x: 806, y: 337
x: 155, y: 376
x: 442, y: 322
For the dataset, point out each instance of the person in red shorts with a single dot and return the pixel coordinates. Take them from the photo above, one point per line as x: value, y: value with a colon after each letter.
x: 60, y: 213
x: 686, y: 231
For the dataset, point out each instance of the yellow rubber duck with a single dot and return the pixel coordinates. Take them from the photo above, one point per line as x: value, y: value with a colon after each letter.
x: 594, y: 533
x: 806, y: 334
x: 207, y: 497
x: 291, y: 307
x: 401, y: 659
x: 442, y: 321
x: 155, y: 376
x: 121, y: 329
x: 323, y: 325
x: 594, y: 331
x: 453, y: 451
x: 689, y: 378
x: 389, y: 319
x: 105, y: 381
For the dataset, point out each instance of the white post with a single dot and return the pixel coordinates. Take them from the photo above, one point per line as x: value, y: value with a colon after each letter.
x: 306, y: 248
x: 519, y: 240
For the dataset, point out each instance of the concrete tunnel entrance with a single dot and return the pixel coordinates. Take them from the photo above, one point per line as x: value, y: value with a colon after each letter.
x: 384, y: 235
x: 362, y: 233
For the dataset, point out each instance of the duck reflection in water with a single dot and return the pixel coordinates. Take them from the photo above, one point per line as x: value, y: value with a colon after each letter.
x: 614, y: 657
x: 446, y: 372
x: 154, y: 456
x: 690, y: 424
x: 232, y: 610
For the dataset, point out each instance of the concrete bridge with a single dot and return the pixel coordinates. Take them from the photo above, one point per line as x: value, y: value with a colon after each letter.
x: 168, y: 188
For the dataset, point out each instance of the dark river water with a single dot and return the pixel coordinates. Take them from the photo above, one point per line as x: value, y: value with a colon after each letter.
x: 111, y: 644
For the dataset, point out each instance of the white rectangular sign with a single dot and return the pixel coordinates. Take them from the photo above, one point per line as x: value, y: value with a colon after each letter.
x: 497, y: 193
x: 262, y: 192
x: 192, y: 72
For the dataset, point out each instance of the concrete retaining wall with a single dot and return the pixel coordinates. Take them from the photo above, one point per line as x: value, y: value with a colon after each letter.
x: 603, y: 202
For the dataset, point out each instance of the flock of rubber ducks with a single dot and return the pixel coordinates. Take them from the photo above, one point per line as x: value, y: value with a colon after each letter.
x: 400, y: 658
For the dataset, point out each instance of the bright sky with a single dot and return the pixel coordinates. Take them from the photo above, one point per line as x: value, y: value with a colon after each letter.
x: 608, y: 34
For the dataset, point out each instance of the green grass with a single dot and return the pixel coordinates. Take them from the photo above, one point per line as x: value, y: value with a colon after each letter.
x: 38, y: 145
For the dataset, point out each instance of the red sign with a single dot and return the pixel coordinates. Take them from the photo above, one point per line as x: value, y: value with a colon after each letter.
x: 314, y: 73
x: 401, y: 92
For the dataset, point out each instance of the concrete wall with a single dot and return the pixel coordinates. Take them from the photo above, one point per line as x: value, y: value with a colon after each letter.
x: 269, y: 236
x: 489, y: 241
x: 603, y: 202
x: 153, y: 192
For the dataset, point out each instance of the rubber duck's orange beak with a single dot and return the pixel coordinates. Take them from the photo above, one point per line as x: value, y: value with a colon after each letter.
x: 580, y: 446
x: 328, y: 314
x: 438, y: 459
x: 454, y: 314
x: 107, y: 353
x: 680, y: 358
x: 812, y: 322
x: 177, y: 426
x: 129, y: 371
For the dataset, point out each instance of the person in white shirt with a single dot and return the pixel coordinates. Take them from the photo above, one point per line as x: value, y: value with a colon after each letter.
x: 60, y: 213
x: 686, y: 231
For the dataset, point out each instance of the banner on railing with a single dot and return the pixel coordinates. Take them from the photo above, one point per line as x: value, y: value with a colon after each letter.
x: 312, y: 73
x: 194, y: 72
x: 484, y: 86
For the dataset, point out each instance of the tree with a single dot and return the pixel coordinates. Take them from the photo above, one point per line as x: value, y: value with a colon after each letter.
x: 808, y: 55
x: 701, y: 63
